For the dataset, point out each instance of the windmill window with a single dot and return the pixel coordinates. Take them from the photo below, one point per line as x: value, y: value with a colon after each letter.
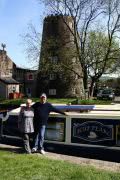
x: 52, y: 91
x: 76, y: 76
x: 52, y: 76
x: 73, y: 90
x: 54, y: 59
x: 71, y: 25
x: 74, y: 60
x: 30, y: 77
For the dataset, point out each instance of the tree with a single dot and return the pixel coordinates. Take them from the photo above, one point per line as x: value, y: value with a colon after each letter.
x: 97, y: 50
x: 32, y: 42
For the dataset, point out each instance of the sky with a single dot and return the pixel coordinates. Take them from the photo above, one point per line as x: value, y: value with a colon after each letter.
x: 15, y: 15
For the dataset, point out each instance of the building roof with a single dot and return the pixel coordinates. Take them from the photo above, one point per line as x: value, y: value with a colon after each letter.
x: 8, y: 80
x: 26, y: 69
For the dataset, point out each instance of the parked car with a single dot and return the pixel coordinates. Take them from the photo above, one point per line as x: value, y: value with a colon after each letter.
x: 106, y: 94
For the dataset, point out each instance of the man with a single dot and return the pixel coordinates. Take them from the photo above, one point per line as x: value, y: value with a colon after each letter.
x: 42, y: 110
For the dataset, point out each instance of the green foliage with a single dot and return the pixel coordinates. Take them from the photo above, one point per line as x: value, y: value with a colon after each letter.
x: 98, y: 44
x: 29, y: 167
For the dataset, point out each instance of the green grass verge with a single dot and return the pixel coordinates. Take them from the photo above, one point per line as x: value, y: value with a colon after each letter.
x: 32, y: 167
x: 55, y: 100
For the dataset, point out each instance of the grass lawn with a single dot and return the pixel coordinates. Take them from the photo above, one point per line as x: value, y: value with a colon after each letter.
x: 32, y: 167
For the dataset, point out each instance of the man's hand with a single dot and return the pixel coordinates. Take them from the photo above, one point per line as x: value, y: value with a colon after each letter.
x: 66, y: 114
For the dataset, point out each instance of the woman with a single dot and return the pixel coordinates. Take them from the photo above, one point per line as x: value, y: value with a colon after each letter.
x: 25, y: 123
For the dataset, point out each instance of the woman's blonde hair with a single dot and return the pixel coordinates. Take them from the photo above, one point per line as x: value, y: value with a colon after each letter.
x: 29, y: 101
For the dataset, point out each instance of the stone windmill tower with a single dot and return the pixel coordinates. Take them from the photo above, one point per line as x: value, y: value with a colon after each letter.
x: 60, y: 73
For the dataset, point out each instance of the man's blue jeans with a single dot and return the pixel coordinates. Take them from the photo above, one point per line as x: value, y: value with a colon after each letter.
x: 40, y: 138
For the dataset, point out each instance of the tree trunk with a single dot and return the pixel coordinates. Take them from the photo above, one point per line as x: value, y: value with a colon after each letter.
x: 92, y: 88
x: 85, y: 79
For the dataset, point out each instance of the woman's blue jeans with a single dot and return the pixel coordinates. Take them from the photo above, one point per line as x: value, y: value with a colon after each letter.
x: 40, y: 138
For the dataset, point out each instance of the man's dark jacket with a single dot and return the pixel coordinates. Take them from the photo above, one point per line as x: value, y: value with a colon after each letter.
x: 42, y: 111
